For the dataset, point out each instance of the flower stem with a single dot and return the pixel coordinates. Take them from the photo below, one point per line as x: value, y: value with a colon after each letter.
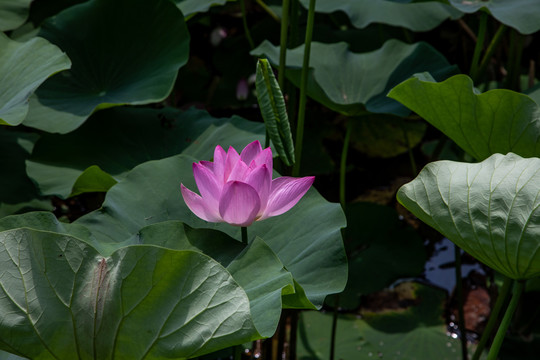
x: 490, y: 51
x: 244, y: 235
x: 493, y: 317
x: 283, y: 44
x: 459, y: 294
x: 303, y: 89
x: 343, y: 165
x: 479, y: 44
x: 244, y: 22
x: 519, y: 286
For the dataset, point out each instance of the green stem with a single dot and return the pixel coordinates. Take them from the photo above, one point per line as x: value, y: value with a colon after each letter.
x: 303, y: 89
x: 283, y: 44
x: 343, y: 165
x: 479, y: 44
x: 244, y: 22
x: 334, y: 329
x: 504, y: 292
x: 459, y: 293
x: 238, y: 352
x: 244, y: 235
x: 519, y: 286
x: 514, y: 61
x: 268, y: 10
x: 490, y: 51
x: 409, y: 150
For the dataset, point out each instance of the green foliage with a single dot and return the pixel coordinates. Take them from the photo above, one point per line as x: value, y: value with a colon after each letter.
x: 134, y: 136
x: 109, y: 67
x: 274, y: 112
x: 352, y: 83
x: 489, y: 209
x: 23, y: 67
x: 413, y: 15
x: 498, y: 121
x: 395, y: 332
x: 523, y: 15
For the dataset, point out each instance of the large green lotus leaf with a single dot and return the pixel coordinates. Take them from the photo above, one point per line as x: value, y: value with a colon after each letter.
x: 497, y: 121
x: 17, y: 192
x: 412, y: 320
x: 23, y: 67
x: 123, y: 52
x: 352, y: 83
x: 307, y: 239
x: 523, y: 15
x: 133, y: 136
x: 416, y: 16
x: 61, y: 299
x: 256, y: 267
x: 13, y: 13
x: 489, y: 209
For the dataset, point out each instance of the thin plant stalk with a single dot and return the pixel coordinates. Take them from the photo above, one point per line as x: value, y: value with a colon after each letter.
x: 244, y: 235
x: 479, y: 45
x: 493, y: 317
x: 519, y: 286
x: 343, y: 165
x: 244, y: 22
x: 303, y: 89
x: 460, y: 301
x: 268, y: 10
x: 283, y: 44
x: 490, y: 51
x: 409, y: 151
x: 333, y: 335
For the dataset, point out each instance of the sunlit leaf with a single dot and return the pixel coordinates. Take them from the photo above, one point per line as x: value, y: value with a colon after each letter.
x: 315, y: 255
x: 497, y: 121
x: 123, y: 52
x: 23, y: 67
x: 489, y: 209
x: 60, y: 299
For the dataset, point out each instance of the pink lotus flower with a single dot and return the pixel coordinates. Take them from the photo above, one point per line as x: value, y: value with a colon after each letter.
x: 238, y: 188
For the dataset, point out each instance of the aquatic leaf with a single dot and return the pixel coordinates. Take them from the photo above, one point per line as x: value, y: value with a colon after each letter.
x: 17, y: 192
x: 61, y: 298
x: 133, y: 136
x: 416, y: 16
x: 489, y: 209
x: 274, y: 112
x: 23, y: 67
x: 352, y: 83
x: 314, y: 256
x: 523, y: 15
x: 400, y: 322
x: 497, y: 121
x: 92, y: 179
x: 110, y: 68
